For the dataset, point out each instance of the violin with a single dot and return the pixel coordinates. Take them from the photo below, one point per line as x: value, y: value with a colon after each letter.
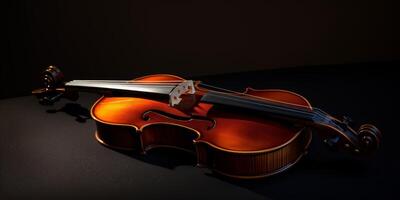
x: 250, y: 134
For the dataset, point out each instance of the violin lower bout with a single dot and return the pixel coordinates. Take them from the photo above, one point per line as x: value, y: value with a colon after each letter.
x: 237, y: 164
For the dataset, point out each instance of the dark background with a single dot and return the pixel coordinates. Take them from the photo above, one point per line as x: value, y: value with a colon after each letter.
x: 342, y: 56
x: 125, y: 39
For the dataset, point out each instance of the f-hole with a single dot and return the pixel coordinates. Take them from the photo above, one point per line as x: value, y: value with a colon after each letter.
x: 146, y: 117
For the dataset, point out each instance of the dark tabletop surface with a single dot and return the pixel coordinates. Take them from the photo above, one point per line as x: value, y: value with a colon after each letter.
x: 50, y: 152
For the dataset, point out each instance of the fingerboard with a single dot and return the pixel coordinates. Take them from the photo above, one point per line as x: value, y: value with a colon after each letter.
x: 128, y: 87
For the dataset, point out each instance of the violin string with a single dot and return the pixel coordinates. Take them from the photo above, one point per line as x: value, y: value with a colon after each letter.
x: 250, y: 98
x: 123, y: 82
x: 306, y: 113
x: 256, y: 101
x: 245, y: 95
x: 178, y: 81
x: 128, y: 81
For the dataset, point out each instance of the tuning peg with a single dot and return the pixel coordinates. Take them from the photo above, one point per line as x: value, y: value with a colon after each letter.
x: 52, y: 77
x: 332, y: 142
x: 347, y: 120
x: 53, y: 90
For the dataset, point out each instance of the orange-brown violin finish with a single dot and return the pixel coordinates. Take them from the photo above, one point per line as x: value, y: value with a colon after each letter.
x: 230, y: 143
x: 251, y: 134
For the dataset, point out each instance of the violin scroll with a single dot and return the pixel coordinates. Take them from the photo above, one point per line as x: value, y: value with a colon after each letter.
x: 53, y: 87
x: 341, y: 133
x: 370, y: 137
x: 52, y: 77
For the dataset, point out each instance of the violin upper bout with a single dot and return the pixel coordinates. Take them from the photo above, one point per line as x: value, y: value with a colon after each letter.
x: 280, y: 96
x: 159, y: 77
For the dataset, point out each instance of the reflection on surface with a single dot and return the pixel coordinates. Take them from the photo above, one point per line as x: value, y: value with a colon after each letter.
x: 82, y: 114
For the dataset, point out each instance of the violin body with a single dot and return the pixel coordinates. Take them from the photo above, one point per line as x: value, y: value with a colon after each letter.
x: 250, y: 134
x: 228, y: 142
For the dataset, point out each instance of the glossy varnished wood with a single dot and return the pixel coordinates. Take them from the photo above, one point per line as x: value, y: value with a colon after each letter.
x: 231, y: 143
